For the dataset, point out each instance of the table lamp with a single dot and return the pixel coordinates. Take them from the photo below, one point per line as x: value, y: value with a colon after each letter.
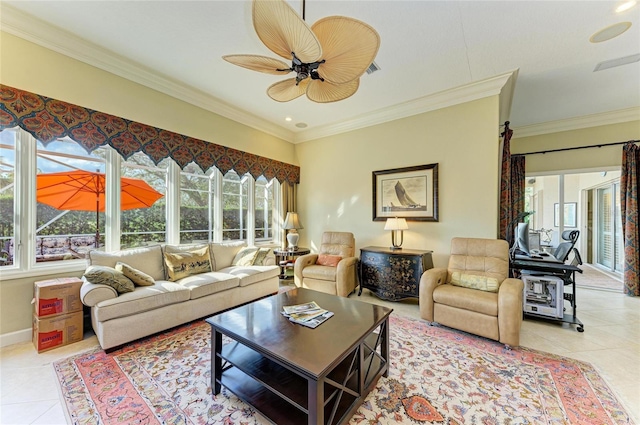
x: 396, y: 225
x: 292, y: 223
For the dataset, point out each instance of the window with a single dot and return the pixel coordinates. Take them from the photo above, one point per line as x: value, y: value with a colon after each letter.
x: 66, y: 233
x: 141, y: 226
x: 7, y: 197
x: 263, y: 209
x: 197, y: 190
x: 234, y: 206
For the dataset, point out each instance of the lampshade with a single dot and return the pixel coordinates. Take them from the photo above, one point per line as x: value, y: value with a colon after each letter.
x: 396, y: 224
x: 292, y: 221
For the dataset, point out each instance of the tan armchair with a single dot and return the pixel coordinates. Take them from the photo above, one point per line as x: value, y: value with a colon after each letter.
x: 340, y: 280
x: 475, y: 263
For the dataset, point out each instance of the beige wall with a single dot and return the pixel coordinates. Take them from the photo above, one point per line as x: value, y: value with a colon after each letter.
x: 27, y: 66
x: 336, y: 173
x: 583, y: 159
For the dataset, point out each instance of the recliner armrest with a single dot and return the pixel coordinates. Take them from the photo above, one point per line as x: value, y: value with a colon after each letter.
x: 302, y: 262
x: 510, y: 311
x: 429, y: 281
x: 346, y: 276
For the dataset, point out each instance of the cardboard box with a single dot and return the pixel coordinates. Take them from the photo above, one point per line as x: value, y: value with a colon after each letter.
x: 57, y: 296
x: 55, y: 331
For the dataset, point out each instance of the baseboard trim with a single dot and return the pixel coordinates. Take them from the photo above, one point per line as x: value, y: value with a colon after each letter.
x: 15, y: 337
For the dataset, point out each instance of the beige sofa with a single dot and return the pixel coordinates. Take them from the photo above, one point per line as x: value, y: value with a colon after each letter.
x: 120, y: 318
x: 474, y: 294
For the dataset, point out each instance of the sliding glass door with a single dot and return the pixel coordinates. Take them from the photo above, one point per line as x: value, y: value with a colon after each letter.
x: 609, y: 227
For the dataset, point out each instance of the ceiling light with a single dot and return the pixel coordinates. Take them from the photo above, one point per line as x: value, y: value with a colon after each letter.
x: 610, y: 32
x: 625, y: 6
x: 301, y: 125
x: 288, y: 119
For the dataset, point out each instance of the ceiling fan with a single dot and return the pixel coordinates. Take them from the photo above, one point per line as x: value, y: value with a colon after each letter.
x: 328, y: 58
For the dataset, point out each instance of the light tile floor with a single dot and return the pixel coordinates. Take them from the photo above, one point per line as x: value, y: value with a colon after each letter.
x: 610, y: 342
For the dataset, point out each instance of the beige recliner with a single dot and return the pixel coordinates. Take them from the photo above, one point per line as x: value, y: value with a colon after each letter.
x: 461, y: 296
x: 340, y: 279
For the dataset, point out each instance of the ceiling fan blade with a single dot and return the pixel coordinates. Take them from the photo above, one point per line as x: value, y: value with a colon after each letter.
x: 287, y: 90
x: 349, y: 47
x: 283, y: 31
x: 259, y: 63
x: 325, y: 92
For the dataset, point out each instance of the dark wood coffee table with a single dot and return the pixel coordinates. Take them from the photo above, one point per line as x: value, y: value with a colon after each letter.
x: 293, y: 374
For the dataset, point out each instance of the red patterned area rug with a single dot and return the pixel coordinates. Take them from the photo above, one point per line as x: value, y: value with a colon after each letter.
x: 437, y: 376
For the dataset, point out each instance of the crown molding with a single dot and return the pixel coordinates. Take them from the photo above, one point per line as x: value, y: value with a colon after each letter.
x: 577, y: 123
x: 498, y: 85
x: 32, y: 29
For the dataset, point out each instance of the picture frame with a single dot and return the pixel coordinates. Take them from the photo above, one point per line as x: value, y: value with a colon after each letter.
x: 569, y: 214
x: 410, y: 193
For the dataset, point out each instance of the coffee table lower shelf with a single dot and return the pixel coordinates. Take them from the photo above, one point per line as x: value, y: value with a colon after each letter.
x: 283, y: 394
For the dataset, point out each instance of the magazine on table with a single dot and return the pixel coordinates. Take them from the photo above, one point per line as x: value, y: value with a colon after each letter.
x: 308, y: 314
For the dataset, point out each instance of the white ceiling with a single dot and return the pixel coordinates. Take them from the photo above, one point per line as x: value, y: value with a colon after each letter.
x: 427, y: 47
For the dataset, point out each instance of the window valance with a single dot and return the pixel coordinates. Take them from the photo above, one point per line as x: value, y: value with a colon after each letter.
x: 48, y: 119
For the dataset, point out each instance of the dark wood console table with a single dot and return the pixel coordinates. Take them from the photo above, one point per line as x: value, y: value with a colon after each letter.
x: 393, y: 274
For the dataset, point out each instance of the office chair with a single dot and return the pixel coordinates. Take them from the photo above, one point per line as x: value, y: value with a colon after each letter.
x: 564, y: 248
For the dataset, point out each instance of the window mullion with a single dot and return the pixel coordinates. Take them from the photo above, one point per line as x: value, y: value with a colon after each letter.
x: 173, y: 204
x: 25, y: 202
x: 113, y: 225
x: 251, y: 217
x: 217, y: 206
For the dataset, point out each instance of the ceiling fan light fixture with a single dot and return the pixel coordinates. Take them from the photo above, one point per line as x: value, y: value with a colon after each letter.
x: 328, y: 58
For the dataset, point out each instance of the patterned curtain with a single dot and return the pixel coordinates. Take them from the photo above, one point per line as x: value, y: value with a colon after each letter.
x: 629, y: 182
x: 289, y: 197
x: 49, y: 119
x: 511, y: 186
x: 517, y: 185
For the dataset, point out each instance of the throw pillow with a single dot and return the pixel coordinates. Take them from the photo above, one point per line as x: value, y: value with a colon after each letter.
x: 472, y: 281
x: 245, y: 257
x: 104, y: 275
x: 261, y: 255
x: 187, y: 263
x: 138, y: 277
x: 328, y: 260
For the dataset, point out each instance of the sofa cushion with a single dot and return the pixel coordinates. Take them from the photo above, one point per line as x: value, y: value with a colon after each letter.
x: 224, y: 253
x: 204, y: 284
x: 138, y: 277
x: 143, y: 298
x: 245, y: 257
x: 147, y: 259
x: 103, y: 275
x: 187, y: 263
x: 249, y: 275
x: 320, y: 272
x: 474, y: 281
x: 467, y: 299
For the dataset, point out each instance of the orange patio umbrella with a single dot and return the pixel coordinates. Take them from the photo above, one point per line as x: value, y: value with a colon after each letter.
x: 84, y: 191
